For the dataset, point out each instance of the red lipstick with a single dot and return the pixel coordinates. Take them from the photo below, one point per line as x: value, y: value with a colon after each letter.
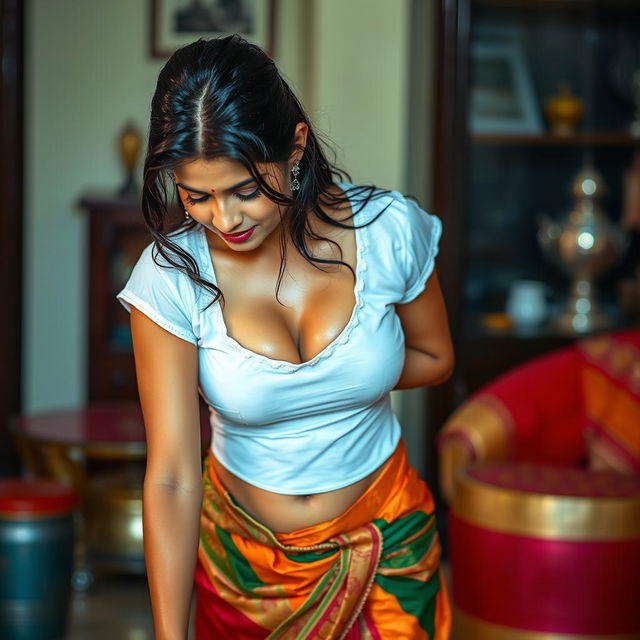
x: 238, y: 237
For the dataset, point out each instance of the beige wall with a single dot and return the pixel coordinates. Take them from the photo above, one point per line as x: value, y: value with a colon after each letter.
x: 360, y: 75
x: 88, y: 71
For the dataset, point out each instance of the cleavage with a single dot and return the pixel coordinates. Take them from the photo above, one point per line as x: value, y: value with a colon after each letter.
x: 318, y: 304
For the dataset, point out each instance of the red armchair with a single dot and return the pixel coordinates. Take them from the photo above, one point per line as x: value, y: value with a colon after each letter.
x: 541, y: 468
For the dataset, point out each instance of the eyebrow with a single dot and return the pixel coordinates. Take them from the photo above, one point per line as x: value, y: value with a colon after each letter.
x: 232, y: 188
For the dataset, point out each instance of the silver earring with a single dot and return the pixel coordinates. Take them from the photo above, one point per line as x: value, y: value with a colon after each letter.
x: 295, y: 170
x: 186, y: 214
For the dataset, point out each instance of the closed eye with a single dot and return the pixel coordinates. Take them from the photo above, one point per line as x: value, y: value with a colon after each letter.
x: 191, y: 200
x: 248, y: 196
x: 240, y: 196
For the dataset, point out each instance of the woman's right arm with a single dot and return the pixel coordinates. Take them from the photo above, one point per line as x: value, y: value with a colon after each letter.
x: 167, y: 375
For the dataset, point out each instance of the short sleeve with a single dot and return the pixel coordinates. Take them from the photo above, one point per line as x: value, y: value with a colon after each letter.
x: 422, y: 232
x: 162, y: 293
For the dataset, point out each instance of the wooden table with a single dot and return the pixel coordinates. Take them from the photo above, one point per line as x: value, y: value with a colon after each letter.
x: 100, y: 451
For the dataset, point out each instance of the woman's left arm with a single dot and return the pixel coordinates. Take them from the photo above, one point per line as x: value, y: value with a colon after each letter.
x: 429, y: 357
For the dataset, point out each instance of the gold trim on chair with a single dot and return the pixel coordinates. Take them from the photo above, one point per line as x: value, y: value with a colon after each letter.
x: 543, y: 515
x: 453, y: 455
x: 480, y: 429
x: 487, y: 424
x: 466, y: 627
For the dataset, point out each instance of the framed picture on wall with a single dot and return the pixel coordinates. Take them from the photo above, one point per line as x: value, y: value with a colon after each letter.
x: 502, y: 98
x: 175, y: 23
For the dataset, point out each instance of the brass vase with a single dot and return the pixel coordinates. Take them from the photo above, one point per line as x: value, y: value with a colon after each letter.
x: 563, y: 111
x: 129, y: 143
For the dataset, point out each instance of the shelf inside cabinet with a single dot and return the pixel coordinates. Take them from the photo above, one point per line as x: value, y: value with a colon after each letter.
x: 475, y: 330
x: 498, y: 168
x: 543, y: 5
x: 578, y: 139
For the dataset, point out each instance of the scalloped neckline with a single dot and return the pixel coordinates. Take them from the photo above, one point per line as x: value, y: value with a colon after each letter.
x: 341, y: 338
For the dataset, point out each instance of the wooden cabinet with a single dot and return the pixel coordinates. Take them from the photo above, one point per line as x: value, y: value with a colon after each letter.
x: 491, y: 186
x: 117, y: 236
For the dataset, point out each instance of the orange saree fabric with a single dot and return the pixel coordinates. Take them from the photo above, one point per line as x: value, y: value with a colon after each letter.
x: 371, y: 573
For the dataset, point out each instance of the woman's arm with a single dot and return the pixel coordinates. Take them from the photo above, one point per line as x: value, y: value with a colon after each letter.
x: 429, y: 357
x: 167, y: 375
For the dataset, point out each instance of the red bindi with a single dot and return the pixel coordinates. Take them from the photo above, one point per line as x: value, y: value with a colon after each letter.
x: 213, y: 190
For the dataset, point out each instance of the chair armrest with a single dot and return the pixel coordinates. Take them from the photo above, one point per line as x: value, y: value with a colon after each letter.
x: 477, y: 430
x: 531, y: 413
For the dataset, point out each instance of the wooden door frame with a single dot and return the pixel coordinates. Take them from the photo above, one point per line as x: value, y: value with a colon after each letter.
x: 11, y: 217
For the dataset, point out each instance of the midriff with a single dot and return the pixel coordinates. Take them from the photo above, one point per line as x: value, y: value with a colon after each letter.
x: 284, y: 513
x: 280, y: 512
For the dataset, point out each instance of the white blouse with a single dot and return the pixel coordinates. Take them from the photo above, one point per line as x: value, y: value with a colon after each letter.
x: 325, y: 423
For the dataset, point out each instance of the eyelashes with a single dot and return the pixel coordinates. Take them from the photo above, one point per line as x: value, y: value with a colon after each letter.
x: 248, y: 196
x: 191, y: 200
x: 240, y: 196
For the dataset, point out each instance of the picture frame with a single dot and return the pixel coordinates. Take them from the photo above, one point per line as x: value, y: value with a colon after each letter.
x: 501, y: 94
x: 174, y: 23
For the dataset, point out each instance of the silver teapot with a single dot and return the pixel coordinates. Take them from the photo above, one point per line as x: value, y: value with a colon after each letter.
x: 584, y: 244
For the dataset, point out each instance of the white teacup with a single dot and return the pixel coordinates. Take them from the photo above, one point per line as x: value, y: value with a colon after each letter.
x: 526, y: 303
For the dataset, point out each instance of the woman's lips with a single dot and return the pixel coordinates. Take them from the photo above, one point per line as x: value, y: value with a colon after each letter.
x: 238, y: 237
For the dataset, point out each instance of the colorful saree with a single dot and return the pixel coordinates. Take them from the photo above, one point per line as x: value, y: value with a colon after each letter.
x: 371, y: 573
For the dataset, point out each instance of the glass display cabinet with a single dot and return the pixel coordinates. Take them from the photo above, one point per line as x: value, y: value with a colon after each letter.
x: 117, y: 237
x: 537, y: 179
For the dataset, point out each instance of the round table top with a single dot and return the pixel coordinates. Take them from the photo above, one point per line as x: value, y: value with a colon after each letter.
x: 113, y: 425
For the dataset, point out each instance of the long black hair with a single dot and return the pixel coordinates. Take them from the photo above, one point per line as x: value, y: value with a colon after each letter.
x: 224, y: 97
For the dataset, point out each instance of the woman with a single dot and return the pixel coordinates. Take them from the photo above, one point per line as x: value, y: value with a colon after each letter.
x: 293, y: 323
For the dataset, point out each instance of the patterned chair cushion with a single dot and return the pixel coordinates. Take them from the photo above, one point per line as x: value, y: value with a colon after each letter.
x: 611, y: 393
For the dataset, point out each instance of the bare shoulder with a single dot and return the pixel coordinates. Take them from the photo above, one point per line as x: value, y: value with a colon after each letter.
x: 340, y: 212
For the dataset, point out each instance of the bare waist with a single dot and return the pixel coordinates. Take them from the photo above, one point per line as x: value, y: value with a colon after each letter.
x: 284, y: 513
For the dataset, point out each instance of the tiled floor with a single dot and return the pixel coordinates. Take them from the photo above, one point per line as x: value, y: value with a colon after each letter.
x: 115, y: 607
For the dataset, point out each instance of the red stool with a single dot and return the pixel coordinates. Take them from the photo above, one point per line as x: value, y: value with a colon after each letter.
x: 544, y: 552
x: 37, y: 532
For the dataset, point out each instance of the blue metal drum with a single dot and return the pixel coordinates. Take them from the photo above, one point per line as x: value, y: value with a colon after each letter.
x: 37, y: 533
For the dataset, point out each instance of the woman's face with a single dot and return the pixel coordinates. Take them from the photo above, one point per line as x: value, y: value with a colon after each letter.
x: 223, y: 197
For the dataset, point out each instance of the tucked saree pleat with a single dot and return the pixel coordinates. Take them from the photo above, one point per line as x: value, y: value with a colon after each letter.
x: 371, y: 573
